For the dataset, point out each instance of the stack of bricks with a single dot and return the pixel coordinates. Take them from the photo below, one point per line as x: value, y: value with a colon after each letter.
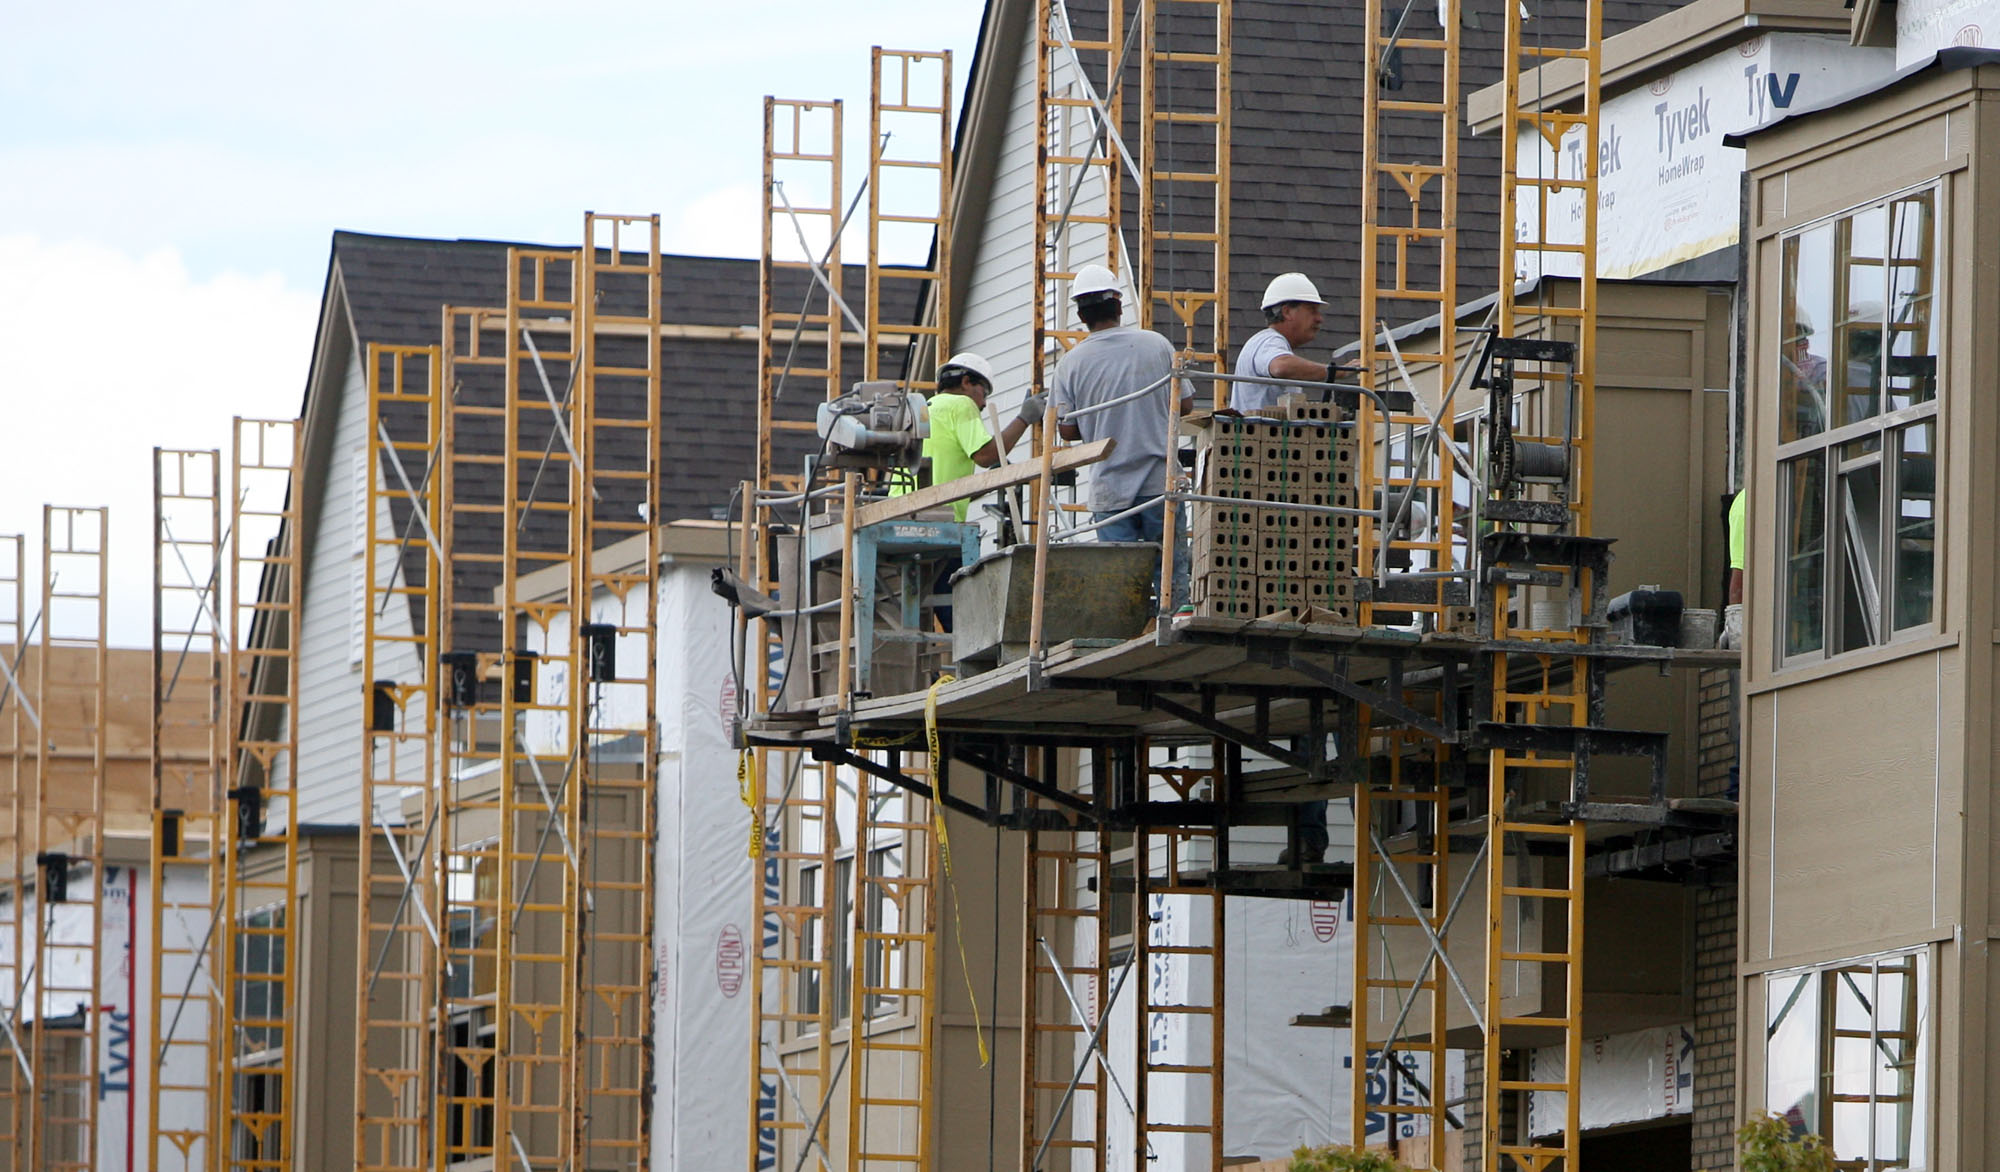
x: 1254, y: 560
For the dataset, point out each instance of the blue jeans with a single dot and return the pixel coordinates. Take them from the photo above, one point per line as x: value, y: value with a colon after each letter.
x: 1148, y: 526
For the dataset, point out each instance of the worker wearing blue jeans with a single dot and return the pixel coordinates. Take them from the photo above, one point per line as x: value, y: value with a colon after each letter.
x: 1116, y: 383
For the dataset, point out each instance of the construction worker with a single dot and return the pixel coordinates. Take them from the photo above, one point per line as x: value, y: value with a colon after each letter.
x: 1803, y: 375
x: 959, y: 441
x: 1115, y: 361
x: 1292, y: 315
x: 1732, y: 610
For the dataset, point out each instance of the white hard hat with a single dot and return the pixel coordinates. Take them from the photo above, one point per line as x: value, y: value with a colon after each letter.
x: 1094, y: 279
x: 967, y: 360
x: 1290, y: 287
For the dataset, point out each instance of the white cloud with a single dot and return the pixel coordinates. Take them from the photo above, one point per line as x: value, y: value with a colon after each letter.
x: 112, y: 354
x: 722, y: 222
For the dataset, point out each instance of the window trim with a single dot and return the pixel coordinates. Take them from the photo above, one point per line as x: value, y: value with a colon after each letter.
x: 1927, y: 1068
x: 1822, y: 660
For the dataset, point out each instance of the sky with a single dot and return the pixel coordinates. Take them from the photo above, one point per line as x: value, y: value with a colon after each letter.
x: 171, y: 177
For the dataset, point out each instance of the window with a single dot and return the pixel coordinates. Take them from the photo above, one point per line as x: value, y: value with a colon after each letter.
x: 260, y: 980
x: 1846, y: 1057
x: 473, y: 883
x: 257, y: 1086
x: 883, y: 963
x: 1858, y: 429
x: 838, y: 934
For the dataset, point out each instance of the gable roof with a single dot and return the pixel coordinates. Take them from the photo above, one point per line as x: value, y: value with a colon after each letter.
x: 1295, y: 167
x: 392, y: 290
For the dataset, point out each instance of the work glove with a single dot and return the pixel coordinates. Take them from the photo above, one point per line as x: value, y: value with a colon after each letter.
x: 1732, y: 628
x: 1032, y: 409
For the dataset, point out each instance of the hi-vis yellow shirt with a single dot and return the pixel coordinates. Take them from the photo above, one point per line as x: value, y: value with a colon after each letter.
x: 956, y: 433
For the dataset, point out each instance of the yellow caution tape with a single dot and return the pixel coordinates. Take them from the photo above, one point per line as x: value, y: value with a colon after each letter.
x: 861, y: 742
x: 931, y: 743
x: 749, y: 787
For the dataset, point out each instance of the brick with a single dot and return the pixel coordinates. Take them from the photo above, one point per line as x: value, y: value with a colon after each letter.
x: 1224, y: 526
x: 1232, y: 596
x: 1224, y: 563
x: 1290, y: 520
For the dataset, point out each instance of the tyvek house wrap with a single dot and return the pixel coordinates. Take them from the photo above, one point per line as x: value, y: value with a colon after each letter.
x: 702, y: 932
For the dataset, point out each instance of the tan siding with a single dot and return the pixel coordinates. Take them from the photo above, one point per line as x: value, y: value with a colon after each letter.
x: 1856, y: 772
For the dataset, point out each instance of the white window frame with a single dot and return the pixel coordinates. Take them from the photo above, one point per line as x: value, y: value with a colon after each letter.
x: 1790, y: 992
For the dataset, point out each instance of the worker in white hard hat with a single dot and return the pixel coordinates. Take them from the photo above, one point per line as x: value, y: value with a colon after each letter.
x: 1114, y: 383
x: 1861, y: 373
x: 1292, y: 317
x: 959, y: 442
x: 1803, y: 373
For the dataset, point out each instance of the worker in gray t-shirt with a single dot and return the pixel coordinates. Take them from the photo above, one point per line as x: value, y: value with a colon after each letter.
x: 1292, y: 311
x: 1114, y: 361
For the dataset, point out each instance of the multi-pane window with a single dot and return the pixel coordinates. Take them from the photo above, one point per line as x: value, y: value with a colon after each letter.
x: 1858, y: 428
x: 260, y: 980
x: 830, y: 949
x: 473, y: 880
x: 883, y: 964
x: 1846, y: 1058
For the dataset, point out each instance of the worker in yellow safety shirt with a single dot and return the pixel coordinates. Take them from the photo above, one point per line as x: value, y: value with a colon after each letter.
x: 959, y: 442
x: 1732, y: 611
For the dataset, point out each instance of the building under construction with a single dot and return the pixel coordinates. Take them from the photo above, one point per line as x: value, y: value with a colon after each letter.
x: 588, y: 737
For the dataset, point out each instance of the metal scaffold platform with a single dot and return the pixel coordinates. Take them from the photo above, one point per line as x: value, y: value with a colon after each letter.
x: 1446, y: 675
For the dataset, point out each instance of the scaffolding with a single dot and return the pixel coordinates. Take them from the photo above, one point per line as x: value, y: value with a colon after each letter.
x: 1403, y: 793
x: 1527, y: 693
x: 1184, y: 152
x: 536, y: 800
x: 258, y: 928
x: 614, y: 669
x: 16, y: 1092
x: 67, y: 938
x: 793, y: 802
x: 909, y: 197
x: 398, y: 943
x: 463, y: 1019
x: 1409, y: 271
x: 1066, y: 1005
x: 1080, y: 164
x: 188, y: 766
x: 1180, y: 1023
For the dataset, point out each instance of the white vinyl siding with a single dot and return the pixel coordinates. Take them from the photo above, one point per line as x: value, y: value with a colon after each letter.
x: 330, y: 685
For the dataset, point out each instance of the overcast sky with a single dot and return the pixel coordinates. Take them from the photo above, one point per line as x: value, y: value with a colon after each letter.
x: 171, y: 176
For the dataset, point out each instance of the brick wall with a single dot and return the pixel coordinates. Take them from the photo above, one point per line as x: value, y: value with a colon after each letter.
x: 1715, y: 943
x: 1715, y: 1027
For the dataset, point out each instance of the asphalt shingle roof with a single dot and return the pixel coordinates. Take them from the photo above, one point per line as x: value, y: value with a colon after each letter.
x: 1295, y: 167
x: 396, y: 287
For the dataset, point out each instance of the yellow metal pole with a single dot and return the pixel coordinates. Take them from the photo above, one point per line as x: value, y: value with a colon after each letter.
x: 184, y: 880
x: 259, y: 931
x: 398, y: 945
x: 69, y: 807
